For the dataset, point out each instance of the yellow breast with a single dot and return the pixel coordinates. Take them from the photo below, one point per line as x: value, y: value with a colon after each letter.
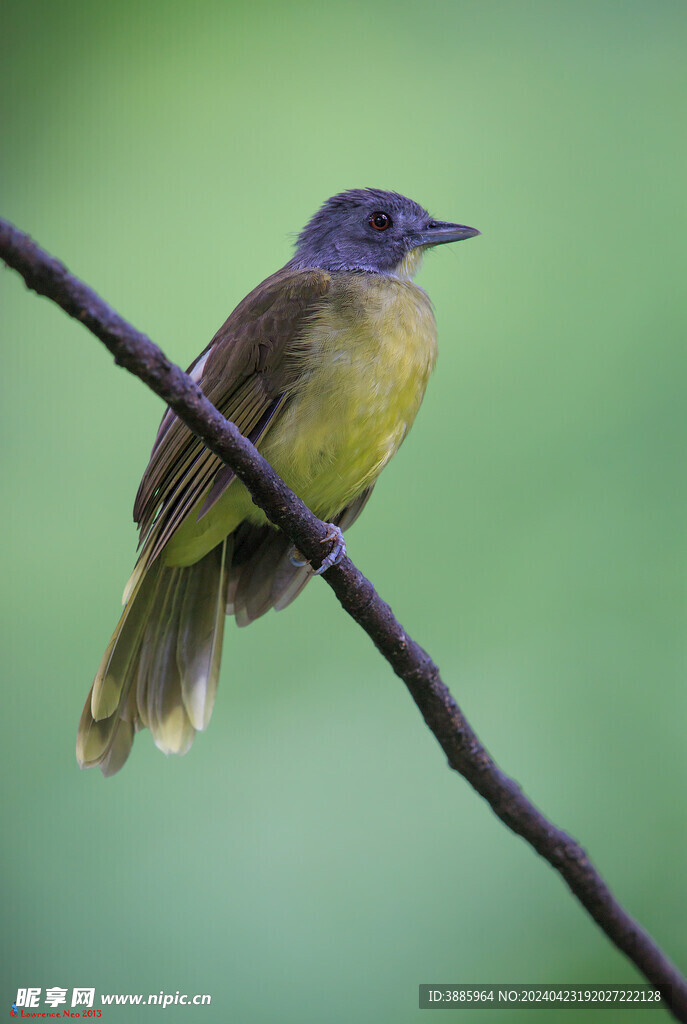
x: 363, y: 366
x: 360, y: 372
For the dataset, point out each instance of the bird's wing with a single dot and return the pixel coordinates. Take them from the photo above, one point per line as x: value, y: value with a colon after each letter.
x: 245, y: 372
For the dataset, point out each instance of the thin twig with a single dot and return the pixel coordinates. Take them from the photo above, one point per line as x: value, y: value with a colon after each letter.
x: 465, y: 753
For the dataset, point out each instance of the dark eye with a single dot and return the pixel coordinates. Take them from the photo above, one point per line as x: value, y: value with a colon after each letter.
x: 380, y: 221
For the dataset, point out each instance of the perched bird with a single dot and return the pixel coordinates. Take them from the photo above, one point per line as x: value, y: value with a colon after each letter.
x: 323, y: 366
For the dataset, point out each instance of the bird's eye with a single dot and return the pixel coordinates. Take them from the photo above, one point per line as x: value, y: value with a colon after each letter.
x: 380, y: 221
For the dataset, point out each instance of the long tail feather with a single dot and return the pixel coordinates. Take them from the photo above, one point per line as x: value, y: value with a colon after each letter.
x: 161, y: 667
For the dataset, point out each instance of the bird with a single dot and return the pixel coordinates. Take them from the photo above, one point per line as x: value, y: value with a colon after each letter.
x: 323, y: 366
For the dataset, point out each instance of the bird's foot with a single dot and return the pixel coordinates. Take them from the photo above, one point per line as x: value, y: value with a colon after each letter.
x: 338, y: 551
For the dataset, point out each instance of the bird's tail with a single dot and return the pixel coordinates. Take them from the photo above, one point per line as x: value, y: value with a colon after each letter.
x: 161, y: 666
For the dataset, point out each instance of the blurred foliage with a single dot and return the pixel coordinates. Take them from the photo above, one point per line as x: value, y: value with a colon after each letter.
x: 312, y: 859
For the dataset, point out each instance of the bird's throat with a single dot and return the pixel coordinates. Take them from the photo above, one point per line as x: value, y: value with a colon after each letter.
x: 410, y: 264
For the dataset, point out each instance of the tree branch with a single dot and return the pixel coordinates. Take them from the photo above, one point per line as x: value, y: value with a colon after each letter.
x: 465, y: 753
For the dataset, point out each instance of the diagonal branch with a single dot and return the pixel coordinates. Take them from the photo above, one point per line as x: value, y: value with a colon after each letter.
x: 465, y: 753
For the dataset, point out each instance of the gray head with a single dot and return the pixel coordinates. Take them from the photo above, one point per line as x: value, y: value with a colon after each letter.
x: 368, y: 229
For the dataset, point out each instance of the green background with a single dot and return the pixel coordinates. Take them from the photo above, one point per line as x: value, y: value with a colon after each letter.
x: 312, y: 858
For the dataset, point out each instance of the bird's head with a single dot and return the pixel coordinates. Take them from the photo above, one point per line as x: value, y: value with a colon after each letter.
x: 369, y: 229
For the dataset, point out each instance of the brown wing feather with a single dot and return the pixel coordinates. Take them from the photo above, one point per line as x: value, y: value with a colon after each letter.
x: 244, y: 371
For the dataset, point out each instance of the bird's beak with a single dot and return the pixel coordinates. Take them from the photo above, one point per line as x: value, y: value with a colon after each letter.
x: 438, y: 231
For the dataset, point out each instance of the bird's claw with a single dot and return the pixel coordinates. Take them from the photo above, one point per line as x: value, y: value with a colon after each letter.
x: 338, y: 551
